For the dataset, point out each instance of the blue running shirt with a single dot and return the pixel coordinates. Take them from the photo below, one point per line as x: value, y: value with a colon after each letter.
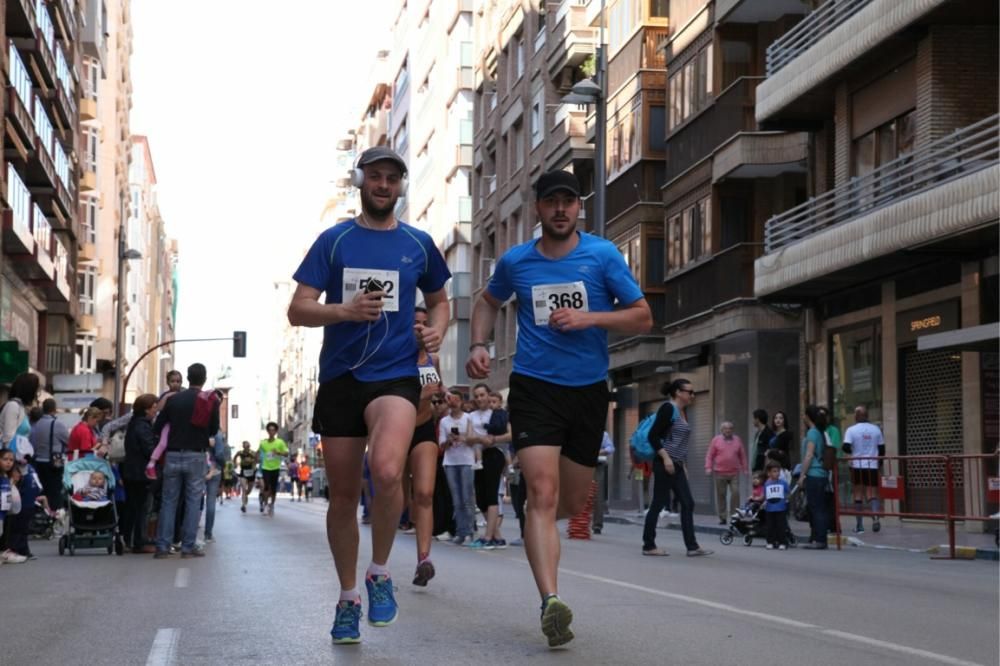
x: 573, y: 358
x: 404, y: 259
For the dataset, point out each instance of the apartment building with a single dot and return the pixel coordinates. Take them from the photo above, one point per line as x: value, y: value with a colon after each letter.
x: 893, y: 255
x: 38, y: 185
x: 105, y: 151
x: 430, y: 126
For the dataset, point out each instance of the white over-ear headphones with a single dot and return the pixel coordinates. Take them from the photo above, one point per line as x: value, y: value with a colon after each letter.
x: 374, y: 155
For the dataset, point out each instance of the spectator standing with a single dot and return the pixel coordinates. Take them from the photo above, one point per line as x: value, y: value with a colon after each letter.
x: 725, y: 461
x: 816, y: 478
x: 454, y: 433
x: 781, y: 440
x: 184, y: 466
x: 83, y: 438
x: 139, y: 444
x: 50, y: 436
x: 863, y: 441
x: 761, y: 440
x: 213, y: 481
x: 601, y: 478
x: 14, y: 421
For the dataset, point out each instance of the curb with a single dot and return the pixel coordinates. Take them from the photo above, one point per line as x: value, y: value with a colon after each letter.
x: 961, y: 552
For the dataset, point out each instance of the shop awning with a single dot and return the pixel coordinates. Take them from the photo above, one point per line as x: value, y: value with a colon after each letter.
x: 983, y: 338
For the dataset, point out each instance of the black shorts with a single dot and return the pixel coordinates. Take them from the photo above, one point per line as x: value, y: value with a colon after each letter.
x: 571, y: 417
x: 487, y: 479
x: 271, y: 479
x: 425, y: 432
x: 341, y: 403
x: 864, y: 476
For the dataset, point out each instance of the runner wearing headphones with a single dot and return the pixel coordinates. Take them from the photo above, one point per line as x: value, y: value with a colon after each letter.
x: 370, y: 268
x: 572, y: 288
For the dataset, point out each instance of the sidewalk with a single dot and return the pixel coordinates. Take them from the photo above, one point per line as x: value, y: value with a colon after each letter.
x: 914, y: 537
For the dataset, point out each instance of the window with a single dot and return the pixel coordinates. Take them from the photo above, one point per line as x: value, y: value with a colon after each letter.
x: 623, y: 137
x: 91, y: 77
x: 878, y: 147
x: 856, y: 365
x: 402, y: 81
x: 623, y: 18
x: 519, y: 58
x: 86, y: 287
x: 644, y: 255
x: 516, y: 141
x: 89, y: 220
x: 689, y: 235
x: 86, y: 361
x: 657, y: 129
x: 537, y: 118
x: 659, y: 8
x: 91, y: 141
x: 691, y: 88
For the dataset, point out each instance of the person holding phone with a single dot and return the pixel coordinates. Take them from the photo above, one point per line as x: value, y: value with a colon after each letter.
x: 455, y: 431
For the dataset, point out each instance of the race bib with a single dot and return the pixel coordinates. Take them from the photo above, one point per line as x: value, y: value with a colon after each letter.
x: 357, y: 280
x: 429, y: 376
x: 547, y: 298
x: 5, y: 501
x: 776, y: 492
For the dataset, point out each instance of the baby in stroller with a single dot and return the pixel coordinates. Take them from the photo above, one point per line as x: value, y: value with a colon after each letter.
x: 96, y: 489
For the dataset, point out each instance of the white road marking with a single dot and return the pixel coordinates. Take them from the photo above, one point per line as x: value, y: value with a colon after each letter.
x: 183, y: 577
x: 164, y: 648
x: 774, y: 619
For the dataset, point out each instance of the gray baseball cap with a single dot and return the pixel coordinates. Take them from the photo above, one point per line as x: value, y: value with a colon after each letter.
x: 380, y: 153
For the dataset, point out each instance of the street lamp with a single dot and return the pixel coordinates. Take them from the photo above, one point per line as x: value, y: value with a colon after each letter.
x: 595, y: 91
x: 124, y: 254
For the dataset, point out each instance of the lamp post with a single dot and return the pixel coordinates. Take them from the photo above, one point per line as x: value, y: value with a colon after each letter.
x: 124, y: 254
x: 595, y: 91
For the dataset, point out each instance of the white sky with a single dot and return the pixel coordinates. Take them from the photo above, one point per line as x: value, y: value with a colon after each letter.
x: 243, y: 102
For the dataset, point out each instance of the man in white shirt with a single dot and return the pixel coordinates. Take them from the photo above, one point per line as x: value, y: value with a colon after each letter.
x: 863, y: 442
x: 600, y: 476
x: 454, y: 435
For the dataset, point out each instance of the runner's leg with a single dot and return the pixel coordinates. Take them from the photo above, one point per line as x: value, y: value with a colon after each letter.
x: 423, y: 465
x: 343, y: 461
x: 540, y: 467
x: 391, y: 421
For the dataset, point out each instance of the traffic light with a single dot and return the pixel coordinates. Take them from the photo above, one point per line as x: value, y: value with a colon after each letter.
x: 239, y: 344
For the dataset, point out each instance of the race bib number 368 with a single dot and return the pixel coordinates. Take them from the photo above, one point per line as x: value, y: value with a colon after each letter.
x: 547, y: 298
x: 357, y: 280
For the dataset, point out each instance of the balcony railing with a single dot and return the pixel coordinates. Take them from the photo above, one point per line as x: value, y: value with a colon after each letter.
x: 730, y: 113
x: 810, y: 30
x: 65, y: 275
x: 966, y: 150
x: 19, y: 211
x: 727, y: 276
x: 59, y: 359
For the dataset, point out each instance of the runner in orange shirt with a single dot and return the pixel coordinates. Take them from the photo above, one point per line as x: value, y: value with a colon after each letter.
x: 305, y: 480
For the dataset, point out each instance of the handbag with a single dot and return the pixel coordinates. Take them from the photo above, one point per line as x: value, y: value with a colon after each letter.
x: 116, y: 447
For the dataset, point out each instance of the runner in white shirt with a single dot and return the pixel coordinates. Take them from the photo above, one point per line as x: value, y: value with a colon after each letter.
x: 863, y: 442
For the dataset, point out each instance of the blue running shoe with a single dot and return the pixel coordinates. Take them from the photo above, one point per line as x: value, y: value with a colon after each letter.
x: 478, y: 544
x: 345, y: 623
x: 382, y: 608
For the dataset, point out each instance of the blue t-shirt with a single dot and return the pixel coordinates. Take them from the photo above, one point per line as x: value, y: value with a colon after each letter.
x: 403, y: 259
x: 574, y: 358
x: 816, y: 467
x: 776, y: 495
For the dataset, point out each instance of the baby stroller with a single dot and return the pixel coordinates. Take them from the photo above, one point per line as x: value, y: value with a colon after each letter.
x: 43, y: 523
x: 92, y: 524
x: 748, y: 523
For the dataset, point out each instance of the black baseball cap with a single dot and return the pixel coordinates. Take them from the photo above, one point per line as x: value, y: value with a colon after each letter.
x: 380, y: 153
x: 554, y: 181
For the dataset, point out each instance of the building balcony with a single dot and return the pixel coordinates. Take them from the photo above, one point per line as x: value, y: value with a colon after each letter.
x: 635, y: 351
x: 61, y: 290
x: 568, y: 137
x: 42, y: 54
x: 65, y: 19
x: 724, y: 277
x: 93, y: 34
x: 41, y: 171
x: 452, y: 10
x: 88, y: 109
x: 17, y: 238
x: 22, y: 139
x: 20, y: 18
x: 88, y: 177
x: 34, y: 265
x: 59, y: 359
x: 571, y: 40
x: 65, y: 105
x: 835, y: 38
x: 751, y: 155
x: 941, y: 195
x: 86, y: 251
x: 464, y: 80
x: 752, y: 11
x: 730, y: 113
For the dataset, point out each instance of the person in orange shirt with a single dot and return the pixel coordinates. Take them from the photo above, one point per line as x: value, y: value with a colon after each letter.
x: 305, y: 480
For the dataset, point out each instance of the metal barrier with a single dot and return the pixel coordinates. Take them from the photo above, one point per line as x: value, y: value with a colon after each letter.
x: 949, y: 488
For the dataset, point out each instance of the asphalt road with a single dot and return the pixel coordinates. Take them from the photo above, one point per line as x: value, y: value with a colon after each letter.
x: 265, y: 594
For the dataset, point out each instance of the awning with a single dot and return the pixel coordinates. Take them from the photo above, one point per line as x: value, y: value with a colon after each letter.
x: 983, y: 338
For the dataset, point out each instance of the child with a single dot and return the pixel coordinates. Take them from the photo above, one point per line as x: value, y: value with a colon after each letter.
x: 756, y: 494
x: 96, y: 489
x: 10, y: 501
x: 776, y: 507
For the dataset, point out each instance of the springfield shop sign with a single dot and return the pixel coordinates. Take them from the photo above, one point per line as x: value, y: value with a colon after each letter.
x: 18, y: 321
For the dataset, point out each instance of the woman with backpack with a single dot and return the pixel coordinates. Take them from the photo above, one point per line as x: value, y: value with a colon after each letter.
x: 14, y: 421
x: 816, y: 476
x: 669, y: 437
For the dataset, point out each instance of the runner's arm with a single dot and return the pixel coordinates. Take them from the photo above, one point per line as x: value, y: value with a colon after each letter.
x: 438, y: 314
x: 633, y: 319
x: 484, y: 318
x: 306, y: 310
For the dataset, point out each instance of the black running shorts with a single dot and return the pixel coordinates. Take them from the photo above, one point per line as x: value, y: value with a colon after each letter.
x: 271, y: 479
x: 546, y: 414
x: 864, y: 476
x: 487, y: 479
x: 425, y: 432
x: 341, y: 403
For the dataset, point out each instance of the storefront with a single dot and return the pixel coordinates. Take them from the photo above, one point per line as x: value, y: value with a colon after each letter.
x: 18, y: 320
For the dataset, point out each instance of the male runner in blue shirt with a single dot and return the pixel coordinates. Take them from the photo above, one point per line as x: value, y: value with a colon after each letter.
x: 370, y: 268
x: 572, y: 288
